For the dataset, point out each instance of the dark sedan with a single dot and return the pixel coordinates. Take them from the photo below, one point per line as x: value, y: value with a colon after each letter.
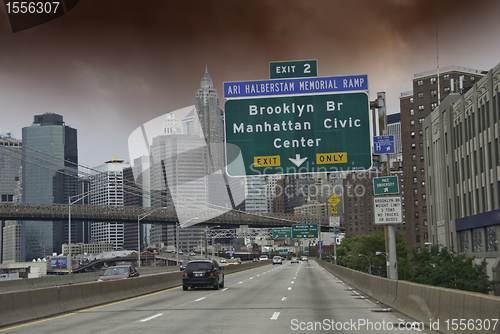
x: 119, y: 272
x: 202, y: 273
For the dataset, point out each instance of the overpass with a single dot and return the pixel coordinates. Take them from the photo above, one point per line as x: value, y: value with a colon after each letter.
x: 130, y: 214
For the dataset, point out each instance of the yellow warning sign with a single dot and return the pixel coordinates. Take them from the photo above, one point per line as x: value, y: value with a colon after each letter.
x: 331, y: 158
x: 334, y: 200
x: 335, y: 210
x: 272, y: 160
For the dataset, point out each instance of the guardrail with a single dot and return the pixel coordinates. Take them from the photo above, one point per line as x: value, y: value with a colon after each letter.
x: 424, y: 303
x: 22, y: 306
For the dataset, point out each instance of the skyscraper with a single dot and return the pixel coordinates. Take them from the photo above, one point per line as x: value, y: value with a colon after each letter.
x: 49, y: 176
x: 415, y: 105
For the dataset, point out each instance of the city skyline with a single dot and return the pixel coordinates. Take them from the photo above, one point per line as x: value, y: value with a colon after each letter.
x: 109, y: 70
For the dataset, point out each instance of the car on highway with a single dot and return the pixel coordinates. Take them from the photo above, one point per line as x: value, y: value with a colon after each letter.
x: 183, y: 265
x: 202, y: 273
x: 222, y: 260
x: 238, y: 259
x: 232, y: 261
x: 192, y: 254
x: 294, y: 260
x: 263, y: 258
x: 118, y: 272
x: 255, y: 259
x: 277, y: 260
x: 303, y: 258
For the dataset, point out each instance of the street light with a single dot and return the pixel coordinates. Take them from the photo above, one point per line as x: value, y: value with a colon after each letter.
x: 206, y: 231
x: 139, y: 218
x: 369, y: 263
x: 80, y: 197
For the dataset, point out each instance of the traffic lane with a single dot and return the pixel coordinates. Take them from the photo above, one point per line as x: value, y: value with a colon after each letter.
x: 337, y: 307
x: 123, y: 315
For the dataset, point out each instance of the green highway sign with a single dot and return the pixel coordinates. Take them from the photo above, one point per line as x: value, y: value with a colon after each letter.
x: 300, y: 231
x: 385, y: 185
x: 293, y: 69
x: 281, y: 233
x: 298, y: 134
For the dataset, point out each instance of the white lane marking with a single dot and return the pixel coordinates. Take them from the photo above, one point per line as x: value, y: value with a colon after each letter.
x: 251, y: 277
x: 197, y: 300
x: 154, y: 316
x: 295, y: 277
x: 224, y: 289
x: 283, y: 299
x: 258, y: 275
x: 290, y: 288
x: 293, y: 282
x: 240, y: 282
x: 275, y: 316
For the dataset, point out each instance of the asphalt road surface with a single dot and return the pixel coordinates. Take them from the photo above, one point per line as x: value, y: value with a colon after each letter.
x: 288, y: 298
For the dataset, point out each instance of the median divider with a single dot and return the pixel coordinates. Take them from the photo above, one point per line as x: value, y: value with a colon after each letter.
x: 22, y: 306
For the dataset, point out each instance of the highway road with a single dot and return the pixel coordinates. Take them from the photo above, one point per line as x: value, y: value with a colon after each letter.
x: 284, y: 298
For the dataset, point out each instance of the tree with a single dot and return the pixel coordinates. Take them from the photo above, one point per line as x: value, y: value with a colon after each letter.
x: 438, y: 267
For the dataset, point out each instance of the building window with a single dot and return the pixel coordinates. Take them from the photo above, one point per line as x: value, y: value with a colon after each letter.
x: 471, y: 78
x: 422, y: 171
x: 414, y: 168
x: 421, y: 120
x: 416, y: 214
x: 417, y: 227
x: 446, y: 89
x: 415, y: 203
x: 413, y: 134
x: 415, y: 180
x: 421, y: 145
x: 446, y: 77
x: 423, y: 183
x: 424, y: 209
x: 418, y: 237
x: 422, y: 158
x: 413, y: 146
x: 413, y: 157
x: 425, y: 222
x: 415, y: 191
x: 434, y: 93
x: 412, y: 112
x: 424, y: 197
x: 412, y: 123
x: 434, y: 105
x: 420, y: 95
x: 421, y: 133
x: 411, y: 100
x: 420, y: 82
x: 433, y: 80
x: 421, y: 107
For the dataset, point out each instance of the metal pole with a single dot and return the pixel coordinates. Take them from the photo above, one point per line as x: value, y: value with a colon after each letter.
x: 177, y: 241
x: 390, y: 234
x: 138, y: 244
x: 69, y: 236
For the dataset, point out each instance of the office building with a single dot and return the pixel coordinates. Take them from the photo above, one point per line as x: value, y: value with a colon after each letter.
x: 49, y: 176
x: 107, y: 188
x: 415, y: 106
x: 462, y: 179
x: 394, y: 129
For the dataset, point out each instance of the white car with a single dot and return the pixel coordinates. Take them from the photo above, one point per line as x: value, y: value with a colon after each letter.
x: 222, y: 260
x: 277, y: 260
x: 263, y: 258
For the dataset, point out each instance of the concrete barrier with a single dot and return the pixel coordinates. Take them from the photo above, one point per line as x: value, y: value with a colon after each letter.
x: 421, y: 302
x: 22, y: 306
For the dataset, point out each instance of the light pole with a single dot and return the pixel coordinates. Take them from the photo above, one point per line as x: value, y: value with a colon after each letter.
x: 206, y: 230
x: 369, y: 263
x: 139, y: 218
x: 80, y: 197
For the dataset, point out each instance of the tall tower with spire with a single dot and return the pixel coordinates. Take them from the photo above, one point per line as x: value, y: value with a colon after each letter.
x: 211, y: 120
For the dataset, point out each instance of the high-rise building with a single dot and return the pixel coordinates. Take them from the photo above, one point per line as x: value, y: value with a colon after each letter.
x: 415, y: 106
x: 462, y: 179
x: 10, y: 165
x: 107, y: 188
x: 256, y: 197
x: 49, y: 176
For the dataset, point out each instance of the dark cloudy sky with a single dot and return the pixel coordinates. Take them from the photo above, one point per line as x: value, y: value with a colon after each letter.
x: 109, y: 66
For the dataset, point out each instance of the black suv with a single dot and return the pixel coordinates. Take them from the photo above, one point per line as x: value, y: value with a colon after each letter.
x: 200, y: 273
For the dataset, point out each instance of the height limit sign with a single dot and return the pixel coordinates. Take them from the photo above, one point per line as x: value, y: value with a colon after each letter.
x: 388, y: 210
